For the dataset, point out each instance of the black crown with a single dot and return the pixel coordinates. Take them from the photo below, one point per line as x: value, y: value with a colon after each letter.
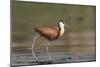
x: 61, y: 20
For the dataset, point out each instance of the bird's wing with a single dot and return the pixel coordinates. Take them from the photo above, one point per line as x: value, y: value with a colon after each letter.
x: 50, y: 32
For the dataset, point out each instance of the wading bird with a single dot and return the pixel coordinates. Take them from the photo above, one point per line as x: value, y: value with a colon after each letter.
x: 50, y: 33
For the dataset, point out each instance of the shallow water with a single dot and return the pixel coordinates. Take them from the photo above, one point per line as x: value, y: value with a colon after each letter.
x: 20, y: 59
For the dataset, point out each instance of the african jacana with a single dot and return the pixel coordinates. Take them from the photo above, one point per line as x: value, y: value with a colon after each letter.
x: 51, y: 33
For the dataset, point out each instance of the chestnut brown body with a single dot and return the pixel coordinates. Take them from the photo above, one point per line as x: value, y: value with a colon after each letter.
x: 50, y: 33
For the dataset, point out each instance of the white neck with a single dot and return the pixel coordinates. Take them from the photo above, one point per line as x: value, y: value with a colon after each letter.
x: 62, y: 30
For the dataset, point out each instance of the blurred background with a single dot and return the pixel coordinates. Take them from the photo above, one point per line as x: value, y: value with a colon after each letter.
x: 78, y: 40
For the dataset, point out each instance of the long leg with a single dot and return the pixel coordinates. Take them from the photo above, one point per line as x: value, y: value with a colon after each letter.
x: 33, y: 53
x: 48, y: 52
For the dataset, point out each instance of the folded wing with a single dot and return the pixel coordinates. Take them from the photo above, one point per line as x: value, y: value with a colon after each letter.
x: 50, y: 33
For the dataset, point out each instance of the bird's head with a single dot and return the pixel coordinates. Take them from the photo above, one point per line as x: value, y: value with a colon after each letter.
x: 62, y: 24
